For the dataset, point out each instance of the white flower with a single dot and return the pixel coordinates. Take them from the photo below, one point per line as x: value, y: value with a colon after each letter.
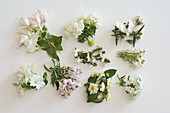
x: 93, y: 88
x: 74, y: 29
x: 95, y: 74
x: 37, y: 81
x: 134, y: 86
x: 76, y: 52
x: 93, y: 19
x: 21, y: 90
x: 27, y: 72
x: 24, y: 22
x: 109, y: 82
x: 137, y: 19
x: 88, y: 57
x: 38, y: 20
x: 121, y: 26
x: 102, y: 87
x: 100, y: 96
x: 108, y: 96
x: 25, y: 40
x: 43, y: 15
x: 130, y: 27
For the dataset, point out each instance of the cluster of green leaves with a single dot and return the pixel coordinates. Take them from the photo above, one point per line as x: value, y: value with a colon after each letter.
x: 136, y: 36
x: 133, y: 57
x: 96, y: 80
x: 57, y: 73
x: 118, y: 34
x: 50, y: 43
x: 95, y: 55
x: 122, y: 81
x: 88, y: 31
x: 27, y: 86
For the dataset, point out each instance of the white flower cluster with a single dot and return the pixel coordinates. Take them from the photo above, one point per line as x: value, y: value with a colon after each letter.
x: 30, y: 25
x: 72, y: 82
x: 28, y: 79
x: 131, y: 25
x: 133, y: 86
x: 101, y: 87
x: 76, y: 27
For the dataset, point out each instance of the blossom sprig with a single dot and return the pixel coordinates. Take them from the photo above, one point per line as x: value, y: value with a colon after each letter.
x: 35, y: 28
x: 83, y: 28
x: 28, y: 79
x: 132, y: 86
x: 98, y: 86
x: 132, y: 30
x: 133, y: 57
x: 91, y: 57
x: 66, y: 79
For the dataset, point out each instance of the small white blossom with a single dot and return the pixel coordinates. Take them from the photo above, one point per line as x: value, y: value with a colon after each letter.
x: 108, y: 96
x: 102, y: 87
x: 37, y: 81
x: 93, y: 88
x: 133, y: 86
x: 25, y: 40
x: 93, y: 19
x: 24, y: 22
x: 109, y: 82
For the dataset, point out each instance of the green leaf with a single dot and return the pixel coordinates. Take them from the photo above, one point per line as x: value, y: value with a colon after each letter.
x: 45, y: 78
x: 52, y: 53
x: 59, y: 47
x: 92, y: 79
x: 49, y: 36
x: 134, y: 41
x: 58, y: 40
x: 93, y: 98
x: 42, y: 43
x: 121, y: 81
x: 27, y: 86
x: 44, y: 28
x: 110, y: 72
x: 15, y: 84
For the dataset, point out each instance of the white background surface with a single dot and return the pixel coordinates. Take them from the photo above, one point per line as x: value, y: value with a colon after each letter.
x: 155, y: 97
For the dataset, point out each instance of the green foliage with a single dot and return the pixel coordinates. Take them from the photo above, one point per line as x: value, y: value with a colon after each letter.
x: 98, y: 79
x: 118, y: 34
x: 88, y: 31
x: 50, y: 43
x: 90, y: 57
x: 57, y: 73
x: 133, y: 57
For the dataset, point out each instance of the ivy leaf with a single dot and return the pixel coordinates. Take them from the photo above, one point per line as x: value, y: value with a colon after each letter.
x: 42, y: 43
x: 59, y: 47
x: 58, y: 40
x: 52, y: 53
x: 110, y: 72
